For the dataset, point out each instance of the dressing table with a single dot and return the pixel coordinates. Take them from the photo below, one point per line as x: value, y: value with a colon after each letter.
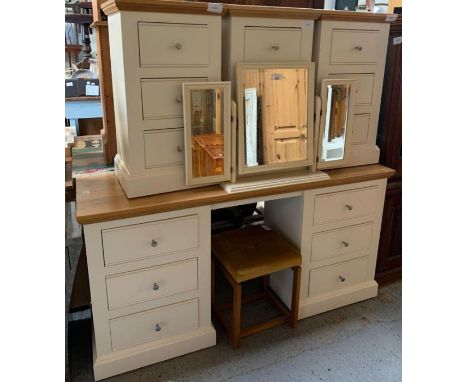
x: 148, y: 228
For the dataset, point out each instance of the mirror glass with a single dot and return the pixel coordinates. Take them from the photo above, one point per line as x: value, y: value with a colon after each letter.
x: 275, y: 115
x: 336, y: 122
x: 207, y: 131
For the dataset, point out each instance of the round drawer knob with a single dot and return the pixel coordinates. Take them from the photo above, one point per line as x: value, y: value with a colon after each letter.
x: 154, y: 243
x: 342, y: 279
x: 178, y: 99
x: 358, y: 48
x: 155, y: 286
x: 345, y: 243
x: 348, y: 207
x: 275, y: 47
x: 157, y: 328
x: 179, y: 149
x: 178, y: 46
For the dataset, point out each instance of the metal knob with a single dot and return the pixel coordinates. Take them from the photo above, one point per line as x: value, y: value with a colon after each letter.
x: 178, y: 46
x: 358, y: 48
x: 155, y: 286
x: 275, y: 47
x: 348, y: 207
x: 157, y: 328
x: 154, y: 243
x: 345, y: 243
x: 178, y: 99
x: 342, y: 279
x: 179, y: 149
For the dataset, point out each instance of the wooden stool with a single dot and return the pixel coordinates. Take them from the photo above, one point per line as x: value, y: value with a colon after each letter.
x: 247, y: 253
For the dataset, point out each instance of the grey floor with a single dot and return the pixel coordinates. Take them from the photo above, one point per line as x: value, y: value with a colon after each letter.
x: 360, y: 342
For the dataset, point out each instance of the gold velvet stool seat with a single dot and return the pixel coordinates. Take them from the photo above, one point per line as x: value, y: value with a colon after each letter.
x: 245, y: 254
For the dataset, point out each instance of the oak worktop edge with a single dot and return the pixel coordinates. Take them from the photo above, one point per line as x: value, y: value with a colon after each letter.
x: 100, y: 198
x: 178, y: 6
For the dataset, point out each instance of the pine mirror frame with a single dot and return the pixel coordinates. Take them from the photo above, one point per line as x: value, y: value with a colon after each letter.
x: 310, y: 161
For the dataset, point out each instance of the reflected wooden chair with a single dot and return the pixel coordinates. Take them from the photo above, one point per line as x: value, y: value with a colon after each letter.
x: 247, y: 253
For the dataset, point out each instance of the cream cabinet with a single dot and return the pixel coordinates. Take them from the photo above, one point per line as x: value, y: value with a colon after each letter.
x: 152, y: 55
x: 149, y: 291
x: 264, y: 39
x: 337, y: 230
x: 355, y: 51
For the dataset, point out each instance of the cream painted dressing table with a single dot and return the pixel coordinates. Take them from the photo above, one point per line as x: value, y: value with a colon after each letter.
x: 149, y: 256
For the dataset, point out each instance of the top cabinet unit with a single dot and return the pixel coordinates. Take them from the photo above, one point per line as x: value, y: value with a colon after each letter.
x: 152, y: 55
x: 350, y: 50
x: 264, y: 39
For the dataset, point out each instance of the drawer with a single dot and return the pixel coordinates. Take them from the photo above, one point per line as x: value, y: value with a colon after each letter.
x: 147, y: 240
x: 154, y: 324
x: 360, y: 128
x: 172, y: 44
x: 345, y: 205
x: 162, y: 97
x: 335, y: 277
x: 152, y: 283
x: 164, y: 147
x: 351, y: 46
x: 338, y: 242
x: 364, y: 86
x: 272, y: 44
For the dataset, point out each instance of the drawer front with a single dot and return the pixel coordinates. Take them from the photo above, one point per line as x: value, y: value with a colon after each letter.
x: 355, y: 46
x: 360, y: 128
x: 146, y: 240
x: 338, y: 242
x: 167, y: 44
x: 272, y: 44
x: 162, y: 97
x: 338, y: 276
x: 364, y: 86
x: 345, y: 205
x: 143, y: 327
x: 152, y: 283
x: 164, y: 147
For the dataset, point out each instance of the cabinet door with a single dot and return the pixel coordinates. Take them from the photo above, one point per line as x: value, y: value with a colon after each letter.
x: 338, y: 97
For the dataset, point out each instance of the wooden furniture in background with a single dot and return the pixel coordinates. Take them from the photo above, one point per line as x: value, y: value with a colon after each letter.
x: 248, y: 253
x: 208, y: 154
x: 105, y: 82
x: 389, y: 263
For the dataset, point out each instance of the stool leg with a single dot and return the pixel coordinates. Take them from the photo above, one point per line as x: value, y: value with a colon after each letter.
x: 236, y: 315
x: 295, y: 295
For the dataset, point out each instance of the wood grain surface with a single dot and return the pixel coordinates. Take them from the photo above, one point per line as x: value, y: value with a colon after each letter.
x: 100, y: 198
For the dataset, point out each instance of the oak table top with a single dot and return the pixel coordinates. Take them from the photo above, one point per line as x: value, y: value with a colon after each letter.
x: 100, y: 198
x: 194, y: 7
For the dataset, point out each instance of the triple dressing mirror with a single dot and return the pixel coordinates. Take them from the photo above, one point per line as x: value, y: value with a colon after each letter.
x: 207, y: 119
x: 275, y: 118
x: 337, y: 100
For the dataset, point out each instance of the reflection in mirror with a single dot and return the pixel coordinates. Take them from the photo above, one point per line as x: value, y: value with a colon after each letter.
x: 336, y: 122
x: 207, y: 117
x: 275, y: 115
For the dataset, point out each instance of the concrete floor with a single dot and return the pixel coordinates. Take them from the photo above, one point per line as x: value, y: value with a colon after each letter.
x: 360, y: 342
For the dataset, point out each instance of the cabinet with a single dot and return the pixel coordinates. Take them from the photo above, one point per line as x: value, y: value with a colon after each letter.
x: 355, y: 51
x: 264, y: 39
x: 149, y: 291
x: 390, y: 140
x: 337, y: 230
x: 152, y: 55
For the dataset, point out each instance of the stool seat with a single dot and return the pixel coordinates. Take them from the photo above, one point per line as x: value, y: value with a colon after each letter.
x: 251, y: 252
x: 248, y: 253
